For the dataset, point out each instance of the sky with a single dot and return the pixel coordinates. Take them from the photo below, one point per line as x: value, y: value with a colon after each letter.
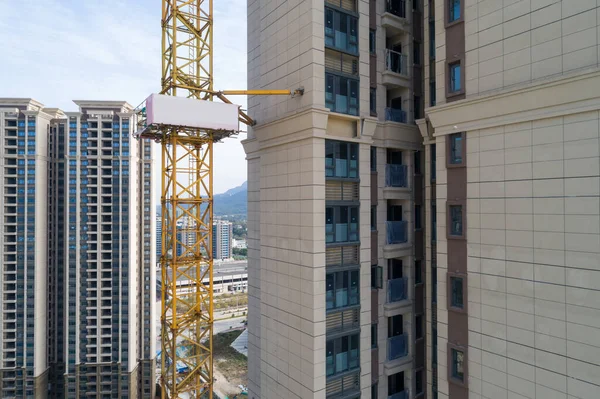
x: 57, y: 51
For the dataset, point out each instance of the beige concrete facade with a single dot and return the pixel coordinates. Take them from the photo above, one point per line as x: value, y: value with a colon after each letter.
x: 531, y: 121
x: 292, y: 261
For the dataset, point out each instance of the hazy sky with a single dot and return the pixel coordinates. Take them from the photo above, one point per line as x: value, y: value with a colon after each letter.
x: 56, y: 51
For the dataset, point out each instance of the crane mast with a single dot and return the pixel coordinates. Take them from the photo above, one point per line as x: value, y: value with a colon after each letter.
x: 186, y: 205
x: 187, y: 198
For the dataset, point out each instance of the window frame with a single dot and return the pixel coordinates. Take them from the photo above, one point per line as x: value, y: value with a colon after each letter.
x: 337, y: 275
x: 373, y: 217
x: 337, y: 212
x: 376, y: 277
x: 452, y: 82
x: 337, y: 150
x: 449, y: 149
x: 372, y: 41
x: 422, y: 392
x: 449, y: 235
x: 373, y: 159
x: 374, y: 329
x: 463, y: 280
x: 336, y: 76
x: 450, y: 63
x: 447, y: 5
x: 335, y: 353
x: 451, y: 365
x: 350, y: 16
x: 373, y: 101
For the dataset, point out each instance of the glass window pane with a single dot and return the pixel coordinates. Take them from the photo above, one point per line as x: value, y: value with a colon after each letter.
x: 329, y: 291
x: 456, y: 227
x: 456, y: 284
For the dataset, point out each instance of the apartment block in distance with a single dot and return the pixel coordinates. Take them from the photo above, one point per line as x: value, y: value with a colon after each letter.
x: 512, y: 176
x: 81, y: 189
x: 222, y: 239
x: 335, y: 200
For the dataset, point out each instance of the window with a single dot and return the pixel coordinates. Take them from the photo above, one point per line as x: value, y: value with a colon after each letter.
x: 373, y: 217
x: 456, y: 292
x: 373, y: 335
x: 374, y: 392
x: 417, y: 107
x: 417, y: 53
x: 456, y: 220
x: 419, y: 327
x: 419, y: 382
x: 341, y: 31
x: 341, y: 224
x: 457, y: 364
x: 395, y: 383
x: 341, y: 159
x: 433, y: 163
x: 418, y: 217
x: 417, y: 162
x: 456, y: 149
x: 342, y: 354
x: 455, y: 84
x: 372, y: 42
x: 418, y: 272
x: 341, y: 94
x: 454, y: 11
x: 373, y: 159
x: 342, y: 289
x: 373, y: 101
x: 376, y: 277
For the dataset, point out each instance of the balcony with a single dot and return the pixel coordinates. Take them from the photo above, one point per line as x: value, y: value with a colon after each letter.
x: 397, y: 290
x: 395, y: 176
x: 397, y: 347
x: 397, y: 243
x: 396, y: 74
x: 400, y: 395
x: 395, y: 19
x: 395, y: 115
x: 396, y: 232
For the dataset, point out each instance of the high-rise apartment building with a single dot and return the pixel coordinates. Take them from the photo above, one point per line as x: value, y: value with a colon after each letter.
x: 221, y: 239
x: 335, y: 215
x: 158, y: 237
x: 512, y: 198
x: 24, y: 248
x: 456, y: 260
x: 95, y: 299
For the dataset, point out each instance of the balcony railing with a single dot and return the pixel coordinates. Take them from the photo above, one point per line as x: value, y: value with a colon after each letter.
x: 396, y: 62
x: 400, y: 395
x: 395, y: 176
x: 396, y: 7
x: 396, y: 232
x: 396, y: 290
x: 395, y: 115
x: 397, y: 347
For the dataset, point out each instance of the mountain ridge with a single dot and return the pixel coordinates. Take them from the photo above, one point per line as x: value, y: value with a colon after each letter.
x: 233, y: 201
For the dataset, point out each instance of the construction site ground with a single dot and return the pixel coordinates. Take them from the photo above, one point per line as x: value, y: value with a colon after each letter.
x: 230, y: 366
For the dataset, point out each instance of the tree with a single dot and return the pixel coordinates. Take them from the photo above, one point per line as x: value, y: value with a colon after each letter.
x: 240, y: 251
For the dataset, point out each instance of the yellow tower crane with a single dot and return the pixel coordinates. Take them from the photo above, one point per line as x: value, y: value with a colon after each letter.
x: 187, y: 199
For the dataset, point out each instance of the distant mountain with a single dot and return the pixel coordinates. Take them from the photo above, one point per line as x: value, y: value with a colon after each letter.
x: 232, y: 202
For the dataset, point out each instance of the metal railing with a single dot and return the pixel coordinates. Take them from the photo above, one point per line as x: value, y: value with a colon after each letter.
x: 396, y: 62
x: 397, y: 290
x: 395, y: 176
x: 396, y: 7
x: 396, y: 232
x: 395, y: 115
x: 397, y: 347
x: 400, y: 395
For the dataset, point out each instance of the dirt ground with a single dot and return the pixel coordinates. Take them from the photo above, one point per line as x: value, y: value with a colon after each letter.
x: 230, y: 366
